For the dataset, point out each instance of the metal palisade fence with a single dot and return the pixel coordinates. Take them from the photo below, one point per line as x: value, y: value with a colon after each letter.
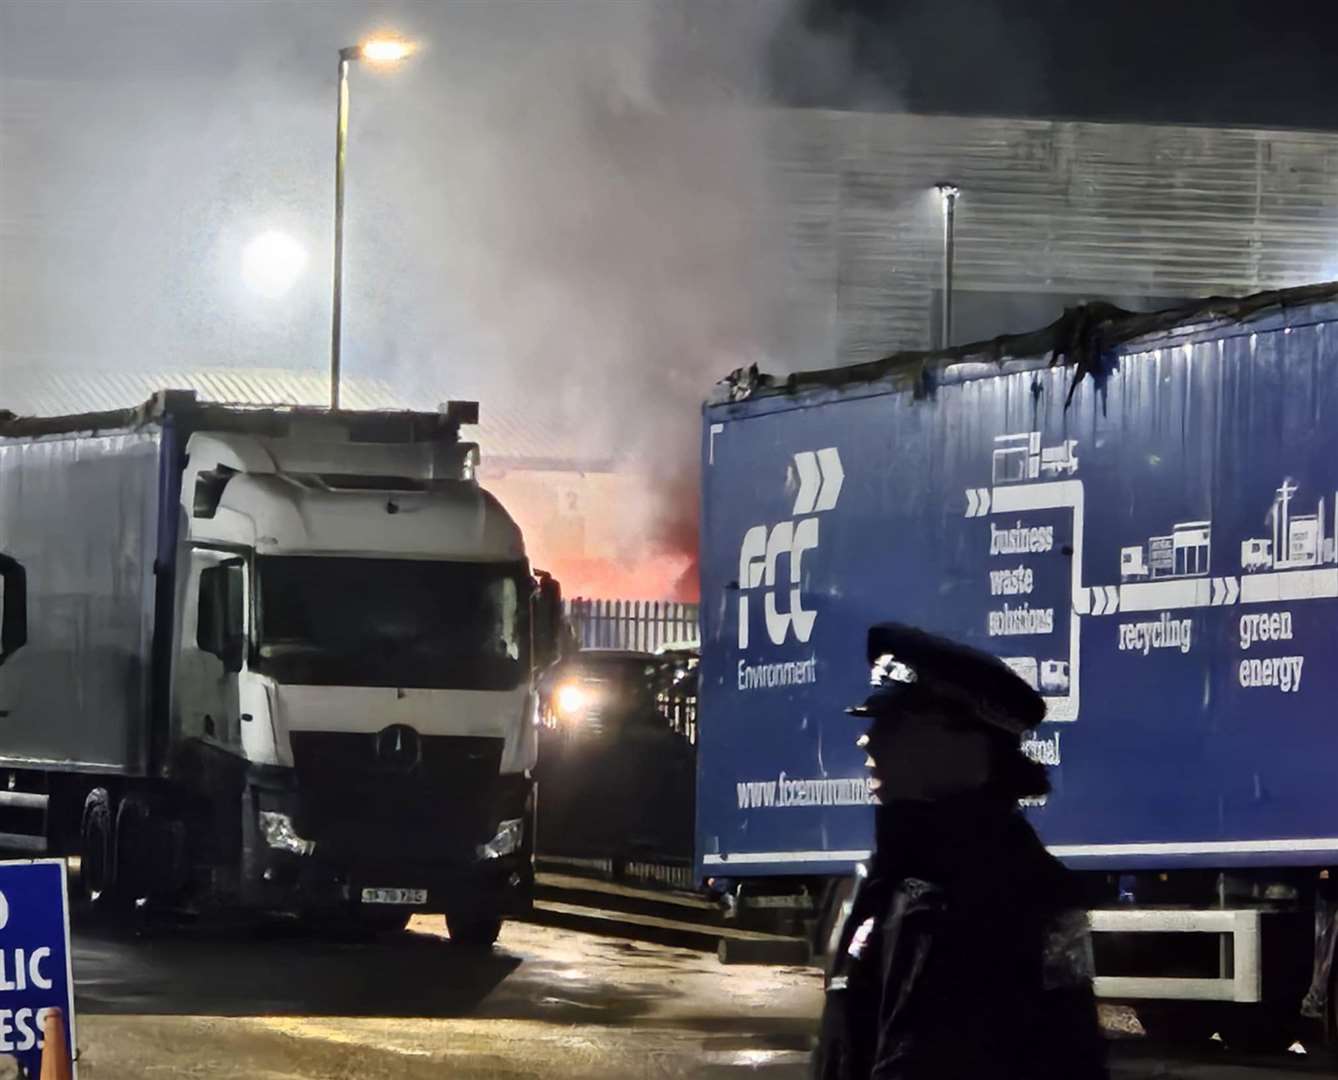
x: 640, y: 625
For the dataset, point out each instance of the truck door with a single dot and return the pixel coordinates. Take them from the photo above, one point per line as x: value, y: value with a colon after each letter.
x: 213, y: 647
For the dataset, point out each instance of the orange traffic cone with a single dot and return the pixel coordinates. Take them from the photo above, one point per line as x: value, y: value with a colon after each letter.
x: 55, y: 1061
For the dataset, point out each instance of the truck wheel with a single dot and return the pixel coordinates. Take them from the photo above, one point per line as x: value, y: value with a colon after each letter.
x: 134, y: 858
x: 473, y: 931
x: 96, y: 879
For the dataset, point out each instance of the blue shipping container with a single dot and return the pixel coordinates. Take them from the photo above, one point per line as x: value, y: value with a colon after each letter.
x: 1152, y: 546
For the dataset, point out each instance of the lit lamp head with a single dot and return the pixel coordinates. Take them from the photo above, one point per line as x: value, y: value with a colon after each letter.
x: 383, y: 50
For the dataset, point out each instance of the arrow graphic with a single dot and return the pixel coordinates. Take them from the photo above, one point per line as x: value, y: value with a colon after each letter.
x: 1226, y: 590
x: 810, y: 480
x: 833, y: 476
x: 1105, y: 599
x: 977, y: 502
x: 820, y: 478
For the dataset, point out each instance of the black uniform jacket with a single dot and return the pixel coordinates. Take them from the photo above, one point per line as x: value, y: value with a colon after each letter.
x: 967, y: 955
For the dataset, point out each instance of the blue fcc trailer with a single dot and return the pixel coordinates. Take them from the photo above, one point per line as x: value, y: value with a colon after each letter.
x: 1139, y: 514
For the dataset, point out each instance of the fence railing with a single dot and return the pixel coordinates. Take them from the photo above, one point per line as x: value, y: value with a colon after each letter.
x: 641, y: 625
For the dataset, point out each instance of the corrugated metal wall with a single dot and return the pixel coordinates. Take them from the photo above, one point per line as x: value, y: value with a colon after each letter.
x: 1046, y: 207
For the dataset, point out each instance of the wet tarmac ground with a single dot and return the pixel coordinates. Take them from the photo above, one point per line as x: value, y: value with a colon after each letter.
x: 545, y: 1002
x: 553, y: 1003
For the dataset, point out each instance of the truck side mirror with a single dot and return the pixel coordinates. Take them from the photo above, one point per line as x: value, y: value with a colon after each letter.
x: 221, y: 627
x: 13, y: 607
x: 546, y: 620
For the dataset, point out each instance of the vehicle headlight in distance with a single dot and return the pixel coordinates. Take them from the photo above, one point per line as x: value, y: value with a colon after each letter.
x: 571, y: 700
x: 280, y: 834
x: 506, y: 842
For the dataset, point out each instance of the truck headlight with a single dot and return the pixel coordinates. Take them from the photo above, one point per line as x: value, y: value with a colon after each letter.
x: 506, y: 842
x: 280, y: 834
x: 571, y: 700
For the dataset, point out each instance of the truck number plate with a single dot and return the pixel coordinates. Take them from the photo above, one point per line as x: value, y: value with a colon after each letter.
x: 394, y: 896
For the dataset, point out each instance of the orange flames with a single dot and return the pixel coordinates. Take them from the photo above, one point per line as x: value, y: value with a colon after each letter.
x: 614, y: 536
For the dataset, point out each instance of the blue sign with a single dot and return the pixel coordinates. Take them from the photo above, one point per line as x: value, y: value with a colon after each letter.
x: 34, y: 958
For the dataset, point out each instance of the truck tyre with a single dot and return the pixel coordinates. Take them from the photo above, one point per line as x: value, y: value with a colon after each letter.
x: 96, y: 850
x: 473, y: 931
x: 133, y: 851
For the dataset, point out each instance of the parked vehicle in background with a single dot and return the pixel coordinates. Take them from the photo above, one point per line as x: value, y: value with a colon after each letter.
x: 270, y: 659
x: 1136, y: 513
x: 617, y: 757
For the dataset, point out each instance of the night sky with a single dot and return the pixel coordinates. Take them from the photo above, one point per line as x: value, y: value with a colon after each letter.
x: 1220, y: 62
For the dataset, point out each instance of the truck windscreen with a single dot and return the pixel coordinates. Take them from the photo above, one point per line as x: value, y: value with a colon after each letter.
x: 392, y: 622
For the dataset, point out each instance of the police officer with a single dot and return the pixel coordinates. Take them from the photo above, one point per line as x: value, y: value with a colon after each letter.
x: 967, y: 953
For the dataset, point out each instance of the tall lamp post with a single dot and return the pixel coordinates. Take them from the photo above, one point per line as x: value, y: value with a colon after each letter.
x: 376, y: 51
x: 948, y: 193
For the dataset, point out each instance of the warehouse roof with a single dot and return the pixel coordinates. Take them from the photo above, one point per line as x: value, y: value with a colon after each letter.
x: 509, y: 435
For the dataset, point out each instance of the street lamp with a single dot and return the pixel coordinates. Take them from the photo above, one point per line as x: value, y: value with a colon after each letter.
x: 375, y: 51
x: 948, y: 193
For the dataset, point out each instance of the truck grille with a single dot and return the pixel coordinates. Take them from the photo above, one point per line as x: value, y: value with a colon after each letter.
x: 432, y: 805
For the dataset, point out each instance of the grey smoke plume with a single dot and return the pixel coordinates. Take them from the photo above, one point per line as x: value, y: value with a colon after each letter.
x: 611, y: 241
x: 568, y: 203
x: 604, y: 234
x: 601, y: 229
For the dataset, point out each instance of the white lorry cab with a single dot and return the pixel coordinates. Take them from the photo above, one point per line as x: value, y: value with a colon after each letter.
x: 276, y: 659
